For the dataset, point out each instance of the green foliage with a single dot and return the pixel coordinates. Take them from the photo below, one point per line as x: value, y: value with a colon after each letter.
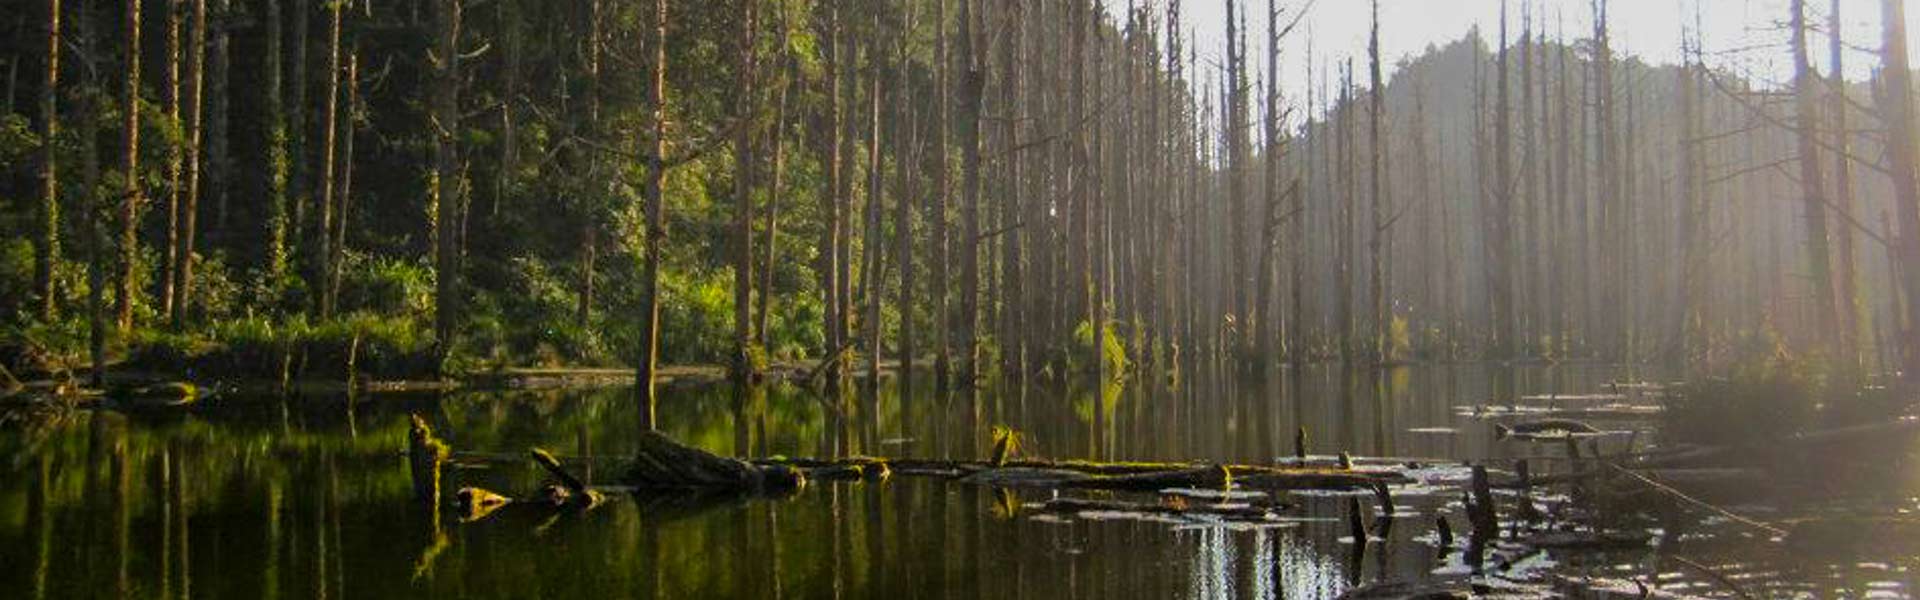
x: 696, y: 316
x: 16, y: 276
x: 377, y: 346
x: 386, y: 285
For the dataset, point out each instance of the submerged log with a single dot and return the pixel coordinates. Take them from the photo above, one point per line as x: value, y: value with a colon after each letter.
x: 663, y: 464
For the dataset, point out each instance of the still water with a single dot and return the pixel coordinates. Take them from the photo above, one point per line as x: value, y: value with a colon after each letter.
x: 310, y: 497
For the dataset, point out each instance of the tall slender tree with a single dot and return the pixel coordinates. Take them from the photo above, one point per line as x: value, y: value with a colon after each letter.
x: 131, y: 194
x: 744, y: 82
x: 1852, y: 318
x: 1376, y: 239
x: 972, y: 92
x: 448, y: 188
x: 329, y: 134
x: 1901, y: 154
x: 47, y: 254
x: 656, y: 225
x: 1812, y: 181
x: 190, y: 202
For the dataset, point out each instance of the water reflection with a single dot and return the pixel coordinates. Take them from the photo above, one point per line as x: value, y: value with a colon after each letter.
x: 311, y: 498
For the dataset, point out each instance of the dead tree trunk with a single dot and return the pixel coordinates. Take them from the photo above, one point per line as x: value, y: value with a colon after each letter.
x: 1853, y: 321
x: 1812, y: 181
x: 1902, y: 156
x: 1377, y: 230
x: 972, y: 91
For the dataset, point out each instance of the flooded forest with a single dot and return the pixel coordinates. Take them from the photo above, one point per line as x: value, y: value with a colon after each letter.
x: 959, y: 299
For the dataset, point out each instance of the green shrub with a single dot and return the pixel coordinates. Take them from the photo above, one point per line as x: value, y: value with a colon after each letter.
x: 386, y: 285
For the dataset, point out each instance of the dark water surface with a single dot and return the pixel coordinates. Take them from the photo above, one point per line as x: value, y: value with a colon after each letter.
x: 310, y: 497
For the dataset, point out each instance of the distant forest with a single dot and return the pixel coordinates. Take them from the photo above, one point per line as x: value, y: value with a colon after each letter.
x: 1020, y: 187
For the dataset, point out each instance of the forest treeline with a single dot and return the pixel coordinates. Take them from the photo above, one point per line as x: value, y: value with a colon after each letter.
x: 990, y: 186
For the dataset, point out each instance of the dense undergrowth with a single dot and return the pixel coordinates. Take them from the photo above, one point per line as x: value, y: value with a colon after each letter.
x: 1763, y: 391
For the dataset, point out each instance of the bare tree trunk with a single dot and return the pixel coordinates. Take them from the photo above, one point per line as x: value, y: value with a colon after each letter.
x: 345, y: 196
x: 1902, y: 156
x: 973, y: 82
x: 1238, y: 287
x: 1694, y: 231
x: 190, y: 206
x: 590, y: 187
x: 1813, y: 183
x: 329, y: 123
x: 1014, y: 306
x: 446, y: 159
x: 511, y: 53
x: 1611, y: 314
x: 299, y: 130
x: 175, y: 8
x: 830, y: 232
x: 1343, y: 305
x: 276, y: 142
x: 219, y: 64
x: 47, y: 255
x: 905, y: 163
x: 93, y: 212
x: 130, y: 192
x: 656, y: 228
x: 941, y: 287
x: 1501, y: 301
x: 1853, y: 320
x: 742, y: 368
x: 1377, y: 230
x: 771, y: 228
x: 871, y: 241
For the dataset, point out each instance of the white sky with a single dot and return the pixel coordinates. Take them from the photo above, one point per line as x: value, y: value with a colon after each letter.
x: 1743, y: 34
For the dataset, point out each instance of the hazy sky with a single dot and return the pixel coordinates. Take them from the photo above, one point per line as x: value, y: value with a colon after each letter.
x: 1744, y: 34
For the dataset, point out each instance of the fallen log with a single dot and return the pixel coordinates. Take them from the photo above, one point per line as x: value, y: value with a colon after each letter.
x: 663, y: 464
x: 1233, y: 512
x: 1125, y: 476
